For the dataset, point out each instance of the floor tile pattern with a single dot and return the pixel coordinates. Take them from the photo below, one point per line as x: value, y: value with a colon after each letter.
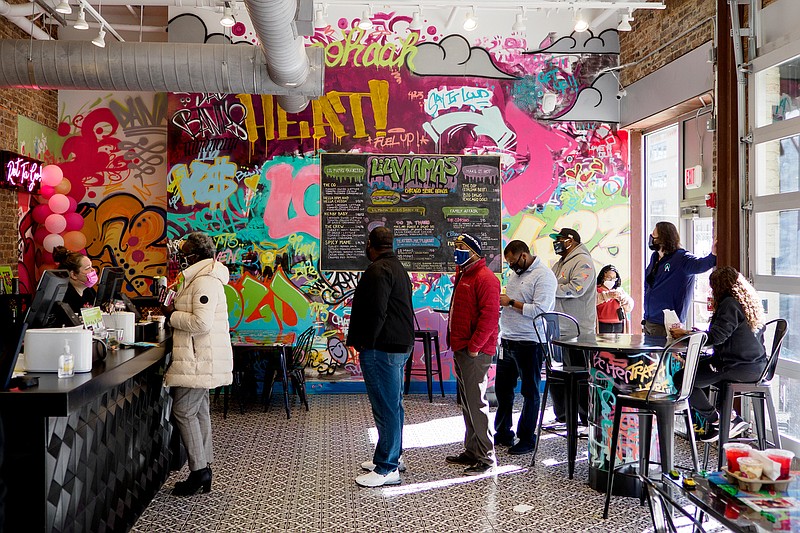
x: 273, y: 474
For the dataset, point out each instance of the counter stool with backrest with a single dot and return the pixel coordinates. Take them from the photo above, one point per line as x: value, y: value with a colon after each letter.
x: 571, y: 376
x: 648, y: 403
x: 759, y: 392
x: 430, y: 342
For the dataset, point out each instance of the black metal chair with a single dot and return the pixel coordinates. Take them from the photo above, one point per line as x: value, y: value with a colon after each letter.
x: 430, y: 342
x: 662, y: 508
x: 759, y: 392
x: 297, y: 367
x: 568, y: 374
x: 651, y: 402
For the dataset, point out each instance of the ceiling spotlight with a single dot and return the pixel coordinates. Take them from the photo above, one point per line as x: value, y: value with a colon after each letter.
x: 470, y: 22
x: 518, y: 25
x: 319, y: 18
x: 227, y: 19
x: 81, y: 24
x: 366, y: 20
x: 581, y: 24
x: 416, y: 21
x: 624, y: 22
x: 100, y: 40
x: 64, y: 7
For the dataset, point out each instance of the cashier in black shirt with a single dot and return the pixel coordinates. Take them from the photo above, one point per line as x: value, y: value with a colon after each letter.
x: 82, y: 277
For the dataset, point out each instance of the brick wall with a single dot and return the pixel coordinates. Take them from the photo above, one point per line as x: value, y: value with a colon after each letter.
x: 40, y: 106
x: 654, y: 28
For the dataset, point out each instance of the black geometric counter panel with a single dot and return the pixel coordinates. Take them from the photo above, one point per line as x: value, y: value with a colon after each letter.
x: 105, y: 462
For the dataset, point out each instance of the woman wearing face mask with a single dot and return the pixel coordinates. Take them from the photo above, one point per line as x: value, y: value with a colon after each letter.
x: 612, y: 301
x: 82, y: 277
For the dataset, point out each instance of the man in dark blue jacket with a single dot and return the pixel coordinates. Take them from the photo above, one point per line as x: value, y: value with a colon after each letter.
x: 669, y: 277
x: 382, y: 330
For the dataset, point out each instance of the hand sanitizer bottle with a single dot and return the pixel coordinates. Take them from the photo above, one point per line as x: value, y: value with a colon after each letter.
x: 66, y: 363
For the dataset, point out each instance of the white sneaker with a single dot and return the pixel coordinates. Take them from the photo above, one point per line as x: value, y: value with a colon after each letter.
x: 373, y: 479
x: 369, y: 466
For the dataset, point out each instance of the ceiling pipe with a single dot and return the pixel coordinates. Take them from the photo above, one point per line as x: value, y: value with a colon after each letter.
x: 17, y: 13
x: 148, y: 67
x: 282, y: 46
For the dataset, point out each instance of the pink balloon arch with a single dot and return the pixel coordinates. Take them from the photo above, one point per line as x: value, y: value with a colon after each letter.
x: 59, y: 222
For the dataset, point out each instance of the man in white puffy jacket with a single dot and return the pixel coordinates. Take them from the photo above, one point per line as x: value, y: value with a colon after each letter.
x: 202, y: 357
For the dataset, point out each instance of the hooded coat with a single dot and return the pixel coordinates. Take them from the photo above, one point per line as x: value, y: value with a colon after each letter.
x: 202, y: 357
x: 576, y: 293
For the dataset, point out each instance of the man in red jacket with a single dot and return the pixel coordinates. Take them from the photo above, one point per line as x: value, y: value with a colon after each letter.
x: 472, y: 334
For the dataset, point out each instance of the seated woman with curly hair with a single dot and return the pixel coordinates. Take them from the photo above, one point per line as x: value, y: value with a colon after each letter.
x: 736, y: 332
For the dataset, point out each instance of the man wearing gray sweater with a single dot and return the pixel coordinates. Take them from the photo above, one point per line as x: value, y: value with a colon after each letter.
x: 575, y: 296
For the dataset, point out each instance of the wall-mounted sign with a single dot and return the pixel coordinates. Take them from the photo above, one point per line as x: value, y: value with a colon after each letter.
x: 426, y: 200
x: 20, y: 172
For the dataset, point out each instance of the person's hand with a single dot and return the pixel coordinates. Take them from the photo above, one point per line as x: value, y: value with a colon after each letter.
x: 167, y: 310
x: 473, y: 354
x: 504, y: 299
x: 714, y: 248
x: 678, y: 332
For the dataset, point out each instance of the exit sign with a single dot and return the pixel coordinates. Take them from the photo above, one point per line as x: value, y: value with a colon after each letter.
x: 20, y: 172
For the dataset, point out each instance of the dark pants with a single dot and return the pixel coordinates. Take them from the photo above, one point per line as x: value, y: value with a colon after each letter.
x: 655, y: 329
x: 611, y: 327
x: 523, y: 360
x: 709, y: 372
x: 572, y: 358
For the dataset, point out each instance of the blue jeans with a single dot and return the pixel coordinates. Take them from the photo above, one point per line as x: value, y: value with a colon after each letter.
x: 521, y: 360
x: 383, y: 377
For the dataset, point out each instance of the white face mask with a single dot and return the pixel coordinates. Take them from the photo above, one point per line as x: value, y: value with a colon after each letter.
x: 609, y: 284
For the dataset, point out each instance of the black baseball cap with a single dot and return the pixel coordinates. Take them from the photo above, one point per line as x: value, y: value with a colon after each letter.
x: 567, y: 233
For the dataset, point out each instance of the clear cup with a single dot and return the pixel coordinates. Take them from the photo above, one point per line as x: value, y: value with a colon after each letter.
x: 750, y: 467
x: 783, y: 458
x: 113, y: 339
x: 733, y: 452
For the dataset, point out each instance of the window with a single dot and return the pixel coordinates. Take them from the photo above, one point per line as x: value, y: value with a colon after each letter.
x: 774, y: 225
x: 664, y: 181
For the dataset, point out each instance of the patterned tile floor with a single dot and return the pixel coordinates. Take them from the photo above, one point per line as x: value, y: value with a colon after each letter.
x: 273, y: 474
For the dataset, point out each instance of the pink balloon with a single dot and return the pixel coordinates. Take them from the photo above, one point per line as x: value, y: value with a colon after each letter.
x: 55, y: 223
x: 46, y: 191
x: 39, y: 235
x: 52, y: 175
x: 41, y: 212
x: 51, y: 241
x: 73, y: 204
x: 58, y: 203
x: 74, y: 221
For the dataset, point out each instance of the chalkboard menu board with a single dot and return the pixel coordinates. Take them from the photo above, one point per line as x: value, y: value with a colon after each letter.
x: 426, y: 200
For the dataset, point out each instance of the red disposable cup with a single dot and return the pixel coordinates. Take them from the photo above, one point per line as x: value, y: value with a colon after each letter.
x: 784, y: 458
x: 733, y: 452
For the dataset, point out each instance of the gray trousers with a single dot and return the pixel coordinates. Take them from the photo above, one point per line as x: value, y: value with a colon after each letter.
x: 473, y: 378
x: 190, y: 412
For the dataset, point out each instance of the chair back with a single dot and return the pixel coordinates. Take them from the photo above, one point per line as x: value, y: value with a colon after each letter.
x: 776, y: 331
x: 301, y: 348
x: 549, y: 325
x: 662, y: 507
x: 692, y: 358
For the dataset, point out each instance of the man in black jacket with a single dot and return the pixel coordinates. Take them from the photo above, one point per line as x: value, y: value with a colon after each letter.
x: 382, y: 330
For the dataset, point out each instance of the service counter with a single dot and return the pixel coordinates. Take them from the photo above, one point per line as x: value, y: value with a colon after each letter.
x: 87, y: 453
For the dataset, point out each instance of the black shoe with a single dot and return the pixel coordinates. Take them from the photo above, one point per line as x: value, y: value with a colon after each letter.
x: 711, y: 434
x: 478, y: 468
x: 508, y: 441
x: 198, y: 480
x: 461, y: 459
x: 521, y: 448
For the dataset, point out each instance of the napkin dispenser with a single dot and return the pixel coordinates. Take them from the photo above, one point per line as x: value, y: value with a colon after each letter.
x: 146, y: 332
x: 124, y: 320
x: 44, y: 346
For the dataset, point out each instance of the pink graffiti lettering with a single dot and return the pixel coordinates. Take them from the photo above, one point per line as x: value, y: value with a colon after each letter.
x: 288, y: 192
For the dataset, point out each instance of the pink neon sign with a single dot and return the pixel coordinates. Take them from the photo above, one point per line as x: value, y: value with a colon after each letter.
x: 20, y: 172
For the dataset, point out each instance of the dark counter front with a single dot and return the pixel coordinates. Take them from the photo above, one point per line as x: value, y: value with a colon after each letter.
x: 87, y: 453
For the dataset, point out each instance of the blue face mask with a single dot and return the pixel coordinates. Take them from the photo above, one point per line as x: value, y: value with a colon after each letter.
x: 461, y: 257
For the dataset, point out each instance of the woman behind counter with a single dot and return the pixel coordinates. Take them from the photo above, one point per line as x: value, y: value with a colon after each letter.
x: 612, y: 301
x: 82, y: 277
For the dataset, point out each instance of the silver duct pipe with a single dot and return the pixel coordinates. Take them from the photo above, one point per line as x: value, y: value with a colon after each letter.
x: 16, y: 15
x: 151, y: 67
x: 273, y: 24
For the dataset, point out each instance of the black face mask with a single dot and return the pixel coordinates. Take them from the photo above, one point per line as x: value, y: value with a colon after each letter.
x: 653, y: 245
x: 517, y: 268
x: 558, y: 247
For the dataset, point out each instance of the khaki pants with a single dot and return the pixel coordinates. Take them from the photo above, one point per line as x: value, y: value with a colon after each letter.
x: 473, y: 379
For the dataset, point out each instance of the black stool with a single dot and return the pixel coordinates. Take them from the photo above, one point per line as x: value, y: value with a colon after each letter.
x: 430, y: 341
